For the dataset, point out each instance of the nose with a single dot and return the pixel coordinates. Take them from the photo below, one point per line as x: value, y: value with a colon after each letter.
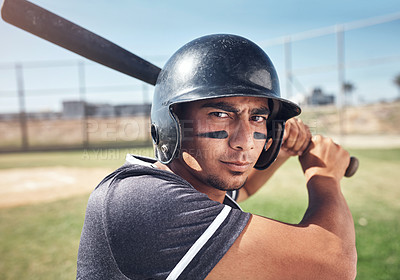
x: 242, y: 136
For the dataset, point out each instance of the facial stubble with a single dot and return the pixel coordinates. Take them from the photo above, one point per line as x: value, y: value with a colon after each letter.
x: 215, y: 182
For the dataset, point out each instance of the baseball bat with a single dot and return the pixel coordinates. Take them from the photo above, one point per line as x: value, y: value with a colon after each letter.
x: 53, y: 28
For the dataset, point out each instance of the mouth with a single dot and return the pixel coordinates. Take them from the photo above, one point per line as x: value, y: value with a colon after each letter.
x: 237, y: 166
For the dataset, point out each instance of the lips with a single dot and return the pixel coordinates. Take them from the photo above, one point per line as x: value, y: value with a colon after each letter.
x: 237, y: 166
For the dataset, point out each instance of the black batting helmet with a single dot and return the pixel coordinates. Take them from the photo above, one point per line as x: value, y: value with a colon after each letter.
x: 216, y: 66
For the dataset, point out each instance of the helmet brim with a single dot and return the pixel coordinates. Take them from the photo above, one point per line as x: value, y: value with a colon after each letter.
x: 286, y: 110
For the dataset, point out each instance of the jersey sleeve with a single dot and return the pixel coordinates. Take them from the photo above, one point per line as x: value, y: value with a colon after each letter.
x: 159, y: 226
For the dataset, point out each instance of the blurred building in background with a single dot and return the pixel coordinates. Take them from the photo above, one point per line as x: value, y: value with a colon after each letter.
x: 319, y: 98
x: 80, y: 109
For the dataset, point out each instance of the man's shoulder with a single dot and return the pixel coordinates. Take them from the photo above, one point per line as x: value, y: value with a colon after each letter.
x: 138, y: 172
x: 141, y: 170
x: 141, y: 182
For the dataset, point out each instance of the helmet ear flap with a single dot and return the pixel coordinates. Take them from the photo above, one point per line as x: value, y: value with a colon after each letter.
x: 268, y: 155
x: 166, y: 134
x: 154, y: 134
x: 275, y: 129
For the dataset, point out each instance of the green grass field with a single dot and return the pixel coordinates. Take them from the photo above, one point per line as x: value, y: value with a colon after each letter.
x: 41, y: 241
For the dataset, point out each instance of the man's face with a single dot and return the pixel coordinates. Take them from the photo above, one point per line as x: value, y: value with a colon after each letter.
x: 222, y: 140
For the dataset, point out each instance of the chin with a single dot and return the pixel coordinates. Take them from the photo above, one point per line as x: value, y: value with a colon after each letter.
x: 220, y: 184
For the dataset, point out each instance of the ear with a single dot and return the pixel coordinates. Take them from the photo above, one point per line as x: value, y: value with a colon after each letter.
x: 268, y: 144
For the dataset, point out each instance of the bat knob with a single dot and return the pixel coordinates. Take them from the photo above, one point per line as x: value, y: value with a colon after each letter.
x: 352, y: 168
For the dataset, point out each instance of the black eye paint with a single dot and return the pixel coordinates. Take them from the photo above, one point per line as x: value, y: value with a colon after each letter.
x: 258, y: 135
x: 223, y: 135
x: 214, y: 134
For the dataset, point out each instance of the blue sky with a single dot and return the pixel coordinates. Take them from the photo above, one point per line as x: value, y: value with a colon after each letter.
x: 155, y: 29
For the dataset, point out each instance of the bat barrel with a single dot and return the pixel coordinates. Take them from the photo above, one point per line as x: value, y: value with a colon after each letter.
x: 77, y: 39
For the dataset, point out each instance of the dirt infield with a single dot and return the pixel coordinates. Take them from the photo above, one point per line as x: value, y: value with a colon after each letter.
x: 21, y: 186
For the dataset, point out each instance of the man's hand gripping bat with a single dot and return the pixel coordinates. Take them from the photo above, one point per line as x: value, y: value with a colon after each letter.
x: 297, y: 140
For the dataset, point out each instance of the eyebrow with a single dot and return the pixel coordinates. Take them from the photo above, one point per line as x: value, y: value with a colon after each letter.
x: 222, y: 106
x: 225, y: 106
x: 260, y: 111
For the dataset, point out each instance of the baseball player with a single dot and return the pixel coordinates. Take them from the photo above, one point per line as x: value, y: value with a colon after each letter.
x: 220, y: 130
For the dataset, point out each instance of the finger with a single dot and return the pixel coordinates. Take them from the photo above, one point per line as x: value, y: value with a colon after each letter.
x: 317, y: 138
x: 286, y: 132
x: 314, y: 140
x: 303, y: 137
x: 292, y: 135
x: 306, y: 142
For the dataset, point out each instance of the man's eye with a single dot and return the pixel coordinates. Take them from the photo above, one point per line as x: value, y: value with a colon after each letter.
x: 219, y: 114
x: 258, y: 118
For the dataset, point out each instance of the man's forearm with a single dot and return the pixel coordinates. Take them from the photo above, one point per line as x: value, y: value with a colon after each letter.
x: 328, y: 209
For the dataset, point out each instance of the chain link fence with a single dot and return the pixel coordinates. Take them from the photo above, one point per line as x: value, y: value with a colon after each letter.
x: 334, y: 73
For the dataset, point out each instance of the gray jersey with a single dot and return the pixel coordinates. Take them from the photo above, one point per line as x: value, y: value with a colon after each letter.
x: 146, y: 223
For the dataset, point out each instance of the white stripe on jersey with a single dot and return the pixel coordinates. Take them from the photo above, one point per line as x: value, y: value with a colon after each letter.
x: 200, y: 242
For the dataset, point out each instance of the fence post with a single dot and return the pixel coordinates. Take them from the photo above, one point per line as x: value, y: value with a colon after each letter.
x: 288, y: 66
x: 22, y: 110
x: 341, y: 76
x: 82, y: 96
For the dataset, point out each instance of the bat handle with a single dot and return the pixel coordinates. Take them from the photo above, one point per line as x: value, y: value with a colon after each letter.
x: 352, y: 168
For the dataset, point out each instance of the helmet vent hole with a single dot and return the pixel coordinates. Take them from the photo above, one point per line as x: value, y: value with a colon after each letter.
x: 164, y: 149
x: 154, y: 134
